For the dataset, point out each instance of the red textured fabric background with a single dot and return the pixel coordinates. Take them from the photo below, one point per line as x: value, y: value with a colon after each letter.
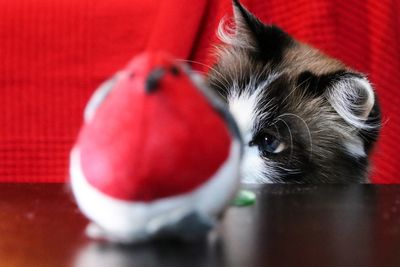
x: 53, y: 54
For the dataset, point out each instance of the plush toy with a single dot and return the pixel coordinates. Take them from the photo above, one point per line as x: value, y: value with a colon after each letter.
x: 158, y: 154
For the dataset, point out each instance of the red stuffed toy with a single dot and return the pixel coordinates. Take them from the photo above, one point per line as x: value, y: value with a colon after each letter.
x: 158, y: 154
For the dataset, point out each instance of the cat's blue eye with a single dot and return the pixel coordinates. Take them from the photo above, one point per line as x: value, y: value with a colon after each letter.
x: 271, y: 144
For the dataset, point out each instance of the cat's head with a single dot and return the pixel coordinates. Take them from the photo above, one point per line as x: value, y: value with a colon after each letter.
x: 304, y: 116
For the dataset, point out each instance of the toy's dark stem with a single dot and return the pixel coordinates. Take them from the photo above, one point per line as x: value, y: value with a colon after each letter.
x: 153, y: 79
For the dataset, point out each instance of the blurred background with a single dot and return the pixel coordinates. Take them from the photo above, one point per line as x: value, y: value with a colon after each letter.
x: 54, y: 53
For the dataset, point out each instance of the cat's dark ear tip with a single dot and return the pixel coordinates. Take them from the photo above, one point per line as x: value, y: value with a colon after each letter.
x: 237, y: 5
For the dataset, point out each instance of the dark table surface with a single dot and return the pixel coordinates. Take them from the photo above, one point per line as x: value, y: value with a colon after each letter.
x: 290, y: 225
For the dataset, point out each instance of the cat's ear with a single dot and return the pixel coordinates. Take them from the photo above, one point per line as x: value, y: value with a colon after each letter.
x: 353, y: 99
x: 247, y: 27
x: 267, y: 41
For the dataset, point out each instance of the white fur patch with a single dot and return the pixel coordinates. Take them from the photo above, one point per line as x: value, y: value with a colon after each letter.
x: 243, y: 103
x: 254, y: 169
x: 355, y: 148
x: 245, y: 108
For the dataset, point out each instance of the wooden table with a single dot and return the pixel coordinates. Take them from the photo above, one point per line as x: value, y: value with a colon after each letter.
x: 290, y: 225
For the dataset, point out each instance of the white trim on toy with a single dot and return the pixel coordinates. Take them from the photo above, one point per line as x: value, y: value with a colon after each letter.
x: 125, y: 221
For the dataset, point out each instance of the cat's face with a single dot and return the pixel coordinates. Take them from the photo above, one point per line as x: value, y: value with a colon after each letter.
x: 304, y: 117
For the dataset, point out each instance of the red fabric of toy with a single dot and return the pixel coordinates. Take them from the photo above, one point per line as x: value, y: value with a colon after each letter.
x: 55, y: 53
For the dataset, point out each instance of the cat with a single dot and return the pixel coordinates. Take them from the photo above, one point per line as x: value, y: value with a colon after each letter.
x: 304, y: 117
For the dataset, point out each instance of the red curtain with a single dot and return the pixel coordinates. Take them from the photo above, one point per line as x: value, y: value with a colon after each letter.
x: 53, y: 54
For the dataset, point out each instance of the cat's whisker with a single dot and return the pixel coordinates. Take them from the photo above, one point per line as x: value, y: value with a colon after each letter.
x: 308, y: 129
x: 241, y: 75
x: 205, y: 65
x: 289, y: 170
x: 221, y: 88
